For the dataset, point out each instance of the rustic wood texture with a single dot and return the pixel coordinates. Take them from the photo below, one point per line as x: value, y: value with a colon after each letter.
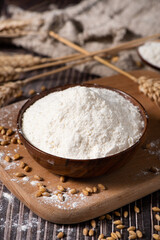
x: 128, y: 184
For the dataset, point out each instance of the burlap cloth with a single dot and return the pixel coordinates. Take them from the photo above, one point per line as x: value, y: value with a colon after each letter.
x: 93, y: 24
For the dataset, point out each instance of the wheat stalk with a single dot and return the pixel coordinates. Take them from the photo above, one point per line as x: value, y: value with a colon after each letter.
x: 13, y: 24
x: 21, y: 60
x: 13, y: 27
x: 8, y: 73
x: 29, y: 63
x: 149, y: 86
x: 10, y: 89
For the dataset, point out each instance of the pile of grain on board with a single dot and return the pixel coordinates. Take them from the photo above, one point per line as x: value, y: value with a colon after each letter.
x: 82, y: 123
x: 150, y: 52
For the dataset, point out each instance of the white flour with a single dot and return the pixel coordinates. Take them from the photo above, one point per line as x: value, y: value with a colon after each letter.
x: 8, y: 196
x: 82, y: 123
x: 150, y: 52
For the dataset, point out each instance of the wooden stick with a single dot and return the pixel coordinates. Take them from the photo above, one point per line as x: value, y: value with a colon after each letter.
x: 101, y: 60
x: 111, y: 50
x: 55, y: 63
x: 61, y: 58
x: 28, y: 80
x: 74, y: 57
x: 114, y: 49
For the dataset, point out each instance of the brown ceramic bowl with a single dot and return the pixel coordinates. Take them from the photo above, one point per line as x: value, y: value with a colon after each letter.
x: 80, y: 168
x: 147, y: 62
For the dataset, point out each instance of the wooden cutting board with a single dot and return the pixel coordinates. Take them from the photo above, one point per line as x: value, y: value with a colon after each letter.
x: 127, y: 184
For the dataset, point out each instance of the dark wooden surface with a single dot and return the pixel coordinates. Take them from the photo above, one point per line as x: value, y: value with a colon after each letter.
x: 17, y: 222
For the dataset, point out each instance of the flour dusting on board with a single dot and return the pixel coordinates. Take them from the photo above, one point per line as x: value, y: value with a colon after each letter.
x: 69, y: 201
x: 154, y: 148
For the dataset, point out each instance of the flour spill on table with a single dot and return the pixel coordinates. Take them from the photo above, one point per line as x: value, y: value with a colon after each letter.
x: 26, y: 224
x: 8, y: 196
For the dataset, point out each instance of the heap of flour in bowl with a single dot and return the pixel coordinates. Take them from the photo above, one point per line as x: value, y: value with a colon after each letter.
x: 82, y: 123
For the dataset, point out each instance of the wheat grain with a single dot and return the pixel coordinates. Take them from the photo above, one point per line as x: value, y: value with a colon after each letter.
x: 117, y: 222
x: 91, y: 232
x: 93, y: 223
x: 131, y: 228
x: 108, y: 217
x: 118, y: 234
x: 120, y: 226
x: 7, y: 158
x: 156, y: 236
x: 139, y: 234
x: 156, y: 209
x: 157, y: 227
x: 17, y: 156
x: 85, y: 231
x: 60, y: 235
x: 19, y: 174
x: 125, y: 214
x: 38, y: 194
x: 102, y: 217
x: 136, y: 209
x: 114, y: 235
x: 101, y: 236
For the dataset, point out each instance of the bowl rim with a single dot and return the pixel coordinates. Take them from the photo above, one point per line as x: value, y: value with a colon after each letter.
x: 145, y: 61
x: 38, y: 96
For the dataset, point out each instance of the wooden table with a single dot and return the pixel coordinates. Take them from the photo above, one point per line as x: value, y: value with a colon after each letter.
x: 18, y: 222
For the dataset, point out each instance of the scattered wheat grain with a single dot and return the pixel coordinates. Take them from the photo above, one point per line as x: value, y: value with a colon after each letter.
x: 19, y: 174
x: 114, y: 235
x: 156, y: 236
x: 60, y: 235
x: 157, y: 217
x: 93, y: 223
x: 125, y: 214
x: 156, y: 209
x: 139, y: 234
x: 120, y: 226
x: 157, y: 227
x: 91, y: 232
x: 7, y: 158
x: 136, y: 209
x: 117, y: 222
x: 85, y: 231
